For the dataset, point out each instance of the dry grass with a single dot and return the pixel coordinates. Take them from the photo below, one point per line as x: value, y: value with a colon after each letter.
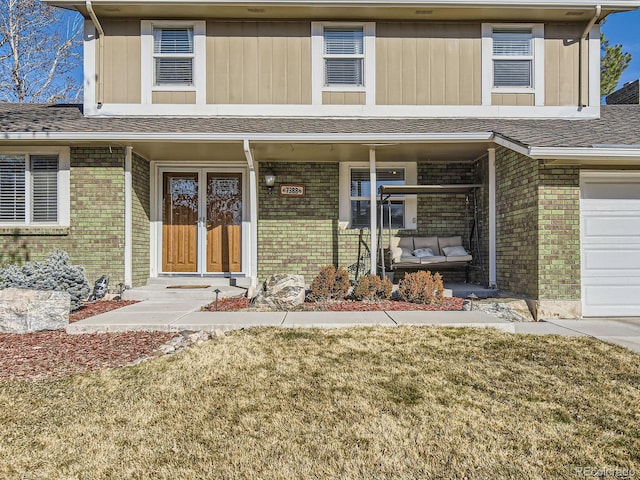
x: 362, y: 403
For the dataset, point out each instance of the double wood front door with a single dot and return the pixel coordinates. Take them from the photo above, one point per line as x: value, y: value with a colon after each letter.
x: 201, y: 222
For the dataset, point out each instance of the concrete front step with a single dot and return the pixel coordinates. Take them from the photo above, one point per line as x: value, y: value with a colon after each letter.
x: 198, y: 280
x: 161, y: 292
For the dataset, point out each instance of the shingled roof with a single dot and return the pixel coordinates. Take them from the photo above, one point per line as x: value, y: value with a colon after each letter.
x: 618, y: 125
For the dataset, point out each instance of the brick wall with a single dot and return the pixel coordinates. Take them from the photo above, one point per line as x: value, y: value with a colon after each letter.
x: 299, y: 235
x: 140, y: 177
x: 95, y: 238
x: 516, y: 222
x: 559, y: 233
x: 627, y: 95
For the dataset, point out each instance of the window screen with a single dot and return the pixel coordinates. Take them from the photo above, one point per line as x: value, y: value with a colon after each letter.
x: 44, y: 181
x: 173, y: 55
x: 12, y: 188
x: 512, y: 58
x: 344, y: 56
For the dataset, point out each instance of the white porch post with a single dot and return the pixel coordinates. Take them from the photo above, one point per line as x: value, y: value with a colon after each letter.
x: 374, y: 210
x: 128, y: 217
x: 253, y: 212
x: 492, y: 217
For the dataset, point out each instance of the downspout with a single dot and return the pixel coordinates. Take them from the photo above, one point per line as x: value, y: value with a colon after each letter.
x: 583, y: 37
x: 253, y: 213
x: 100, y: 75
x: 128, y: 217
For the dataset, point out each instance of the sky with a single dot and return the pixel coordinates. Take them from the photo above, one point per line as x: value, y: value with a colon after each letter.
x: 624, y: 28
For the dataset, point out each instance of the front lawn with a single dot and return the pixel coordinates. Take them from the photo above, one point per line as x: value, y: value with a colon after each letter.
x: 345, y: 404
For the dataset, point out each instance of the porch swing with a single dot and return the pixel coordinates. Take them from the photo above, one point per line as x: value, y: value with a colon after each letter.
x: 431, y: 253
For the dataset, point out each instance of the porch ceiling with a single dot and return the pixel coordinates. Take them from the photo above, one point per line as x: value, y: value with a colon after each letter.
x: 310, y: 152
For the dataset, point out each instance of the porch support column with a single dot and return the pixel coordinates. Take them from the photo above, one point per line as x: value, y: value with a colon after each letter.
x: 492, y: 217
x: 128, y: 218
x: 374, y: 211
x: 253, y: 212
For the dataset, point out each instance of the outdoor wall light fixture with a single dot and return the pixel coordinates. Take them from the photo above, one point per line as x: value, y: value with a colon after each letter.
x: 269, y: 179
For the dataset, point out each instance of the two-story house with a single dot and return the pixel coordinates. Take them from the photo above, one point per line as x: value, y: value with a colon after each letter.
x: 191, y: 107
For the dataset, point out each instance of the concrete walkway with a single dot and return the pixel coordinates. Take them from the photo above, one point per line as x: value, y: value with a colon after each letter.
x: 186, y: 315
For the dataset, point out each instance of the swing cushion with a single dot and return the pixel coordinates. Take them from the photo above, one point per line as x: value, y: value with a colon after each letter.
x: 424, y: 252
x: 401, y: 248
x: 427, y: 242
x: 457, y: 251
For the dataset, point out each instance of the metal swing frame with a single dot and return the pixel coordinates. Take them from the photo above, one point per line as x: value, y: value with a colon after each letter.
x: 386, y: 192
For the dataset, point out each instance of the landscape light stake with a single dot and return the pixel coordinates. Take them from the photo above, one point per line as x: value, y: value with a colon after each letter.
x: 217, y: 291
x: 472, y: 296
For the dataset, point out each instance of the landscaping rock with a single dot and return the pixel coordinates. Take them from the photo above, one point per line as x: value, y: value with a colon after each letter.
x: 512, y: 310
x: 26, y: 310
x: 281, y: 292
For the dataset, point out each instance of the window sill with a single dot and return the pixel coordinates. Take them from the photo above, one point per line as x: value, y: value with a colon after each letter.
x: 34, y: 230
x: 344, y: 88
x: 173, y: 88
x: 514, y: 90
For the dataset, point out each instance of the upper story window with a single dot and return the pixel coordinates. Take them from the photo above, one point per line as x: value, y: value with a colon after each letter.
x: 343, y: 59
x: 29, y: 189
x: 173, y: 55
x: 512, y: 57
x: 344, y: 56
x: 513, y: 61
x: 173, y: 60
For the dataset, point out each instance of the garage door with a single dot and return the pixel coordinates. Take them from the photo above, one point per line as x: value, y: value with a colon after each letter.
x: 610, y: 240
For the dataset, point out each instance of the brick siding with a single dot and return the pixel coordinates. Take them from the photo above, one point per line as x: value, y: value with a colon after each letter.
x: 627, y: 95
x: 140, y: 179
x: 516, y: 222
x: 95, y: 238
x: 299, y: 235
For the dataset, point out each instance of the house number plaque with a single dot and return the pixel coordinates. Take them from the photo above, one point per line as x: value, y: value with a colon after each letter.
x: 289, y: 190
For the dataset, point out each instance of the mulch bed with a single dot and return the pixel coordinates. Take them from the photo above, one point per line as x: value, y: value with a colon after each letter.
x: 235, y: 304
x: 43, y: 355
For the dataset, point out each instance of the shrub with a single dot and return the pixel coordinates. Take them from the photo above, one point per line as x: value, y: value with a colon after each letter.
x: 329, y: 284
x: 54, y: 273
x: 421, y: 287
x: 372, y: 287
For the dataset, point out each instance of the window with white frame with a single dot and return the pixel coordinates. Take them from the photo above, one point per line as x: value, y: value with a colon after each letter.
x: 343, y: 56
x: 512, y: 57
x: 513, y: 60
x: 360, y: 197
x: 343, y: 59
x: 29, y: 189
x: 173, y: 56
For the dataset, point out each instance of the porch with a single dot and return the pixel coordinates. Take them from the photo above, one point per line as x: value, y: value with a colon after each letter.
x: 333, y: 217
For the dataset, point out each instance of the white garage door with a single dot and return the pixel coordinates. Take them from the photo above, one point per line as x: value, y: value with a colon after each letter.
x: 610, y: 239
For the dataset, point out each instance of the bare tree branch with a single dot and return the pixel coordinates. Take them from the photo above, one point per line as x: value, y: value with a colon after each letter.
x: 39, y: 50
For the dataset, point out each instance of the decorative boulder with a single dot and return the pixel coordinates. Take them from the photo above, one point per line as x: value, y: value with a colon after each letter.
x: 25, y: 311
x: 281, y: 292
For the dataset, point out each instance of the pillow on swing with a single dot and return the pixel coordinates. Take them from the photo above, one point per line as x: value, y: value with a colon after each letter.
x: 423, y: 252
x: 457, y: 251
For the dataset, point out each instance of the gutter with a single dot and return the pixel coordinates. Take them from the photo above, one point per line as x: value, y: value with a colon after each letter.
x: 583, y: 38
x: 123, y: 137
x: 559, y: 4
x: 96, y: 23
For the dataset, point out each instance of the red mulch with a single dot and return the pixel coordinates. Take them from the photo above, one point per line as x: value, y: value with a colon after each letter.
x: 56, y: 354
x: 228, y: 304
x: 97, y: 308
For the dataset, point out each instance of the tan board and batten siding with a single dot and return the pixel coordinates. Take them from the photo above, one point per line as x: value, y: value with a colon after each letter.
x: 428, y: 64
x: 270, y: 63
x: 561, y: 59
x: 258, y: 62
x: 121, y: 61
